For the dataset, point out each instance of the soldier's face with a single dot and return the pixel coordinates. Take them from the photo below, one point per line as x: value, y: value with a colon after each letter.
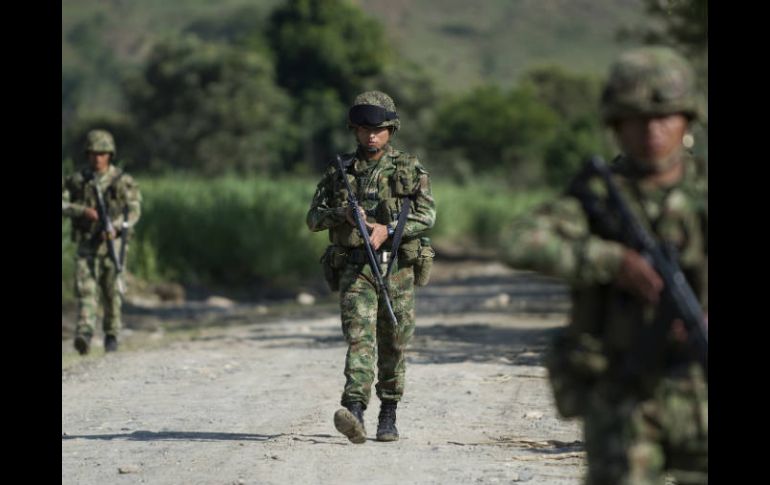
x: 371, y: 137
x: 99, y: 161
x: 651, y: 139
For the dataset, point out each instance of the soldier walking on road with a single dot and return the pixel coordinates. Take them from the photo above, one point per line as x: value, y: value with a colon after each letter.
x: 397, y: 208
x: 103, y: 202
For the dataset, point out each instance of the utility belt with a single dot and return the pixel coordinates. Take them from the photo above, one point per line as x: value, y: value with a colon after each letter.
x: 359, y: 256
x: 415, y: 253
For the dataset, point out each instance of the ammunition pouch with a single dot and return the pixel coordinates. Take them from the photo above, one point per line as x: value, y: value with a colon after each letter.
x: 424, y: 262
x: 333, y: 262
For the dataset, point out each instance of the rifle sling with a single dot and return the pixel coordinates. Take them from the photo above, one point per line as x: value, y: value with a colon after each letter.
x: 402, y: 215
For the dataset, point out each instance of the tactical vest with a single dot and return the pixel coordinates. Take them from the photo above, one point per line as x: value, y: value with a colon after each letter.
x: 380, y: 190
x: 82, y: 190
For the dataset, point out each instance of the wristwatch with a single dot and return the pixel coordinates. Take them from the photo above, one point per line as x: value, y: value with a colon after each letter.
x: 391, y: 231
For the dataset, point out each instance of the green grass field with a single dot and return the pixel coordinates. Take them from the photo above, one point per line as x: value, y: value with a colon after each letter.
x: 234, y: 232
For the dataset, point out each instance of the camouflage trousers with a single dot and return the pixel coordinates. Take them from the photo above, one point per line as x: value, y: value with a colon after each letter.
x: 95, y: 285
x: 370, y: 334
x: 638, y: 441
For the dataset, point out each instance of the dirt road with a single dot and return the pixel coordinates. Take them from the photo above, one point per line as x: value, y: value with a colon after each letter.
x: 246, y: 394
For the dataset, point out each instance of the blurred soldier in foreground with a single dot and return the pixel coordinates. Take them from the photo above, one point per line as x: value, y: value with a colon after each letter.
x: 104, y: 204
x: 632, y: 241
x: 376, y: 203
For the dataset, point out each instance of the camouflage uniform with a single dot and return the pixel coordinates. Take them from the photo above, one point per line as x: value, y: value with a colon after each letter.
x: 380, y: 186
x: 94, y: 270
x: 635, y: 429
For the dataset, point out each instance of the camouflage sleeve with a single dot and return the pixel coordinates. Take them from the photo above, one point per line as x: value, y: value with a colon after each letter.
x: 423, y: 213
x: 324, y: 213
x: 555, y: 239
x: 68, y: 208
x: 133, y: 198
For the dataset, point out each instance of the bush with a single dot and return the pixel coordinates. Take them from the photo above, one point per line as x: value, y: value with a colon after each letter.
x: 240, y: 233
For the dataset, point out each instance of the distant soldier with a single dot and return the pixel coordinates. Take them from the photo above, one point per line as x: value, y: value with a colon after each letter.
x: 644, y: 404
x: 103, y: 202
x: 393, y: 190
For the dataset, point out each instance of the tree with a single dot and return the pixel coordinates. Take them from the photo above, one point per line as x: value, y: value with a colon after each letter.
x: 210, y: 107
x: 569, y: 94
x: 572, y: 145
x: 575, y: 98
x: 326, y: 43
x: 90, y: 77
x: 681, y: 23
x: 416, y: 98
x: 497, y: 132
x: 324, y: 52
x: 244, y: 26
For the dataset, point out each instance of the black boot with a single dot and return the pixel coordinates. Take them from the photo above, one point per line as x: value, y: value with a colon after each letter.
x: 83, y: 343
x: 386, y: 429
x: 350, y: 422
x: 110, y: 343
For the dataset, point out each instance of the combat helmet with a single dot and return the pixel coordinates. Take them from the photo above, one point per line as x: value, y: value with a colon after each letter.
x: 649, y: 81
x: 100, y: 141
x: 373, y: 108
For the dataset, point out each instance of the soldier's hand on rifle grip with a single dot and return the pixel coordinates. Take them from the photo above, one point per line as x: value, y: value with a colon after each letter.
x: 379, y: 234
x: 91, y: 214
x: 637, y: 276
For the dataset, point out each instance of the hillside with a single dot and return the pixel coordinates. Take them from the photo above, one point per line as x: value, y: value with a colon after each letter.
x: 460, y: 43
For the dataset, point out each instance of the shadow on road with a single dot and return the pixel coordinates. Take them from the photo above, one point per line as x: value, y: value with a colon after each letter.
x: 479, y: 342
x: 175, y: 436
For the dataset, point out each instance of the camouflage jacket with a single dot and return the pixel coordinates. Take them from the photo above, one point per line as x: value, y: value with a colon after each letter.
x: 380, y: 188
x: 119, y: 190
x: 558, y: 240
